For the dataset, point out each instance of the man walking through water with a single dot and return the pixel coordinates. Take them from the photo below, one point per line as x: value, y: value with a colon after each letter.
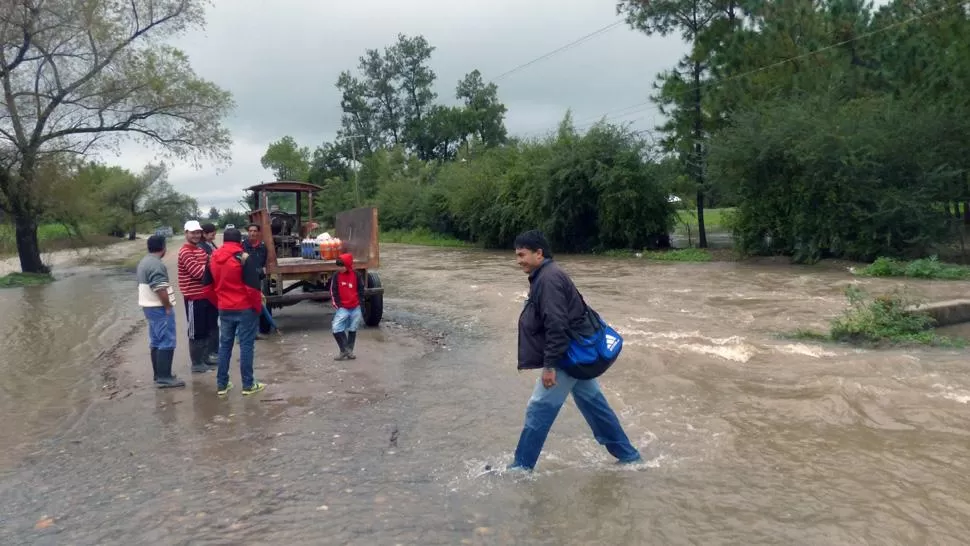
x: 235, y: 276
x: 553, y: 310
x: 157, y: 299
x: 199, y: 308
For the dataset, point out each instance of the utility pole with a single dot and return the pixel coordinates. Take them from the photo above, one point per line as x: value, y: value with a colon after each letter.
x: 353, y: 153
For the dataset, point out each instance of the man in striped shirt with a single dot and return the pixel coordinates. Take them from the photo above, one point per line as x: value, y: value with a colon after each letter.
x: 199, y: 309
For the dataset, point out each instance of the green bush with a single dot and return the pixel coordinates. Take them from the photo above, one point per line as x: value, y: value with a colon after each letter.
x: 828, y: 177
x: 883, y: 319
x: 927, y: 268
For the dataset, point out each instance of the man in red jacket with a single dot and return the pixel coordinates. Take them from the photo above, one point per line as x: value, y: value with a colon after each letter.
x: 235, y: 277
x: 346, y: 293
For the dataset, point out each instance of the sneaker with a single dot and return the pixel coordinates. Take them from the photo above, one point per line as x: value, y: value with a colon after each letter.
x: 222, y: 391
x: 341, y: 356
x: 257, y: 386
x: 351, y: 355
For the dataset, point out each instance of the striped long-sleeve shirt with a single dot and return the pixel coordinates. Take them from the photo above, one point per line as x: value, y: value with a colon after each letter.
x: 192, y: 260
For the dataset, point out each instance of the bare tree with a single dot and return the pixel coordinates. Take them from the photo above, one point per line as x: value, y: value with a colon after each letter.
x: 82, y: 74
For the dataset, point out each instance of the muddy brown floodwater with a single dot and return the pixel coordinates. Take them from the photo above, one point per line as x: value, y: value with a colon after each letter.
x: 749, y: 438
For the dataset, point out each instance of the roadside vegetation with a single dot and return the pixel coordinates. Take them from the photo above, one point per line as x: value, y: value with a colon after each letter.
x: 15, y: 280
x: 423, y: 237
x: 878, y: 321
x: 925, y: 268
x: 801, y: 130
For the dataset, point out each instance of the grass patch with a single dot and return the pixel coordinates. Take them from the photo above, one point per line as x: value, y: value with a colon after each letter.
x: 715, y: 220
x: 422, y: 237
x: 15, y: 280
x: 52, y: 237
x: 927, y: 268
x: 679, y: 255
x: 879, y: 321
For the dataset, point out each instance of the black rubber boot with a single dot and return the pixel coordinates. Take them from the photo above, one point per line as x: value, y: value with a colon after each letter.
x: 166, y: 380
x: 351, y: 343
x: 212, y: 347
x: 341, y: 344
x: 197, y: 354
x: 154, y: 364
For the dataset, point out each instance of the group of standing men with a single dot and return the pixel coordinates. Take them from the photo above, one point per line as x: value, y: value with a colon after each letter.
x: 221, y: 287
x: 221, y: 290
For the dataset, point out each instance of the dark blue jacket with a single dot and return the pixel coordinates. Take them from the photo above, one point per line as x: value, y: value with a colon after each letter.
x: 553, y: 310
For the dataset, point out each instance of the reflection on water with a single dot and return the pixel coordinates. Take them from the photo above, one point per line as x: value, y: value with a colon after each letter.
x: 749, y: 438
x: 53, y: 342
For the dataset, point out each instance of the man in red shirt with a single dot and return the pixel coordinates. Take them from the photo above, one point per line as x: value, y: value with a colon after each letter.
x: 235, y: 276
x: 346, y: 293
x: 199, y: 306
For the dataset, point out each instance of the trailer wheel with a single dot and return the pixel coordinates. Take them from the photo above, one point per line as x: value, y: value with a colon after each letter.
x: 373, y: 309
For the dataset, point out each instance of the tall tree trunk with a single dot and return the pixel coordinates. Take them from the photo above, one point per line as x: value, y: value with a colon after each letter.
x: 699, y: 157
x: 27, y: 245
x: 25, y: 215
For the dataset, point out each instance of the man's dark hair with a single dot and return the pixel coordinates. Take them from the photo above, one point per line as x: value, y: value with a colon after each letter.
x: 254, y: 226
x: 208, y: 228
x: 534, y: 240
x: 232, y: 235
x: 156, y: 243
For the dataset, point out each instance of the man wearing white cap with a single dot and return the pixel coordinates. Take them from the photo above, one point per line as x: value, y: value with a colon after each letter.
x: 196, y: 288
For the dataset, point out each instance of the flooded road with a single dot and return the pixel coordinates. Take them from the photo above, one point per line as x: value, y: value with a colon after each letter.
x: 749, y: 438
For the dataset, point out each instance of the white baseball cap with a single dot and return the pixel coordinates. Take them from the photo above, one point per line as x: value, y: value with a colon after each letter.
x: 193, y: 225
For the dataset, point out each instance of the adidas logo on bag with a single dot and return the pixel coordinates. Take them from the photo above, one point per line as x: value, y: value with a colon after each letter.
x: 611, y: 342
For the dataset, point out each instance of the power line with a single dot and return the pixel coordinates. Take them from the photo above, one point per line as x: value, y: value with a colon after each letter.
x: 646, y: 105
x: 570, y: 45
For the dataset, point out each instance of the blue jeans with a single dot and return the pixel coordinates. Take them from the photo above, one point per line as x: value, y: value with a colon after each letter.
x: 544, y: 407
x: 346, y: 320
x: 231, y: 324
x: 161, y: 328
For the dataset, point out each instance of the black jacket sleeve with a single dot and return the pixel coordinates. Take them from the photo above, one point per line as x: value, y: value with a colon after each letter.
x: 334, y: 290
x: 553, y: 312
x: 250, y: 271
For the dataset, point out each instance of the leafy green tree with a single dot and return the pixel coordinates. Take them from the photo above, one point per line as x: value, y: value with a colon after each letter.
x: 703, y: 24
x: 485, y: 114
x: 234, y: 217
x: 287, y: 160
x: 78, y: 74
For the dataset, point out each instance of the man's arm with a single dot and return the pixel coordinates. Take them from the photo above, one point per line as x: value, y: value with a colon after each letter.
x: 158, y: 282
x: 250, y: 277
x: 192, y: 263
x: 334, y: 290
x: 552, y: 312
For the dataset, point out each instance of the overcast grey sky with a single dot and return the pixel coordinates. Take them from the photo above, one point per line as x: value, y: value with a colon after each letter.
x: 281, y: 59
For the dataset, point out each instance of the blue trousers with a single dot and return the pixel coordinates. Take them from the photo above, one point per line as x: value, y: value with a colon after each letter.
x: 544, y: 406
x: 161, y: 328
x: 233, y: 323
